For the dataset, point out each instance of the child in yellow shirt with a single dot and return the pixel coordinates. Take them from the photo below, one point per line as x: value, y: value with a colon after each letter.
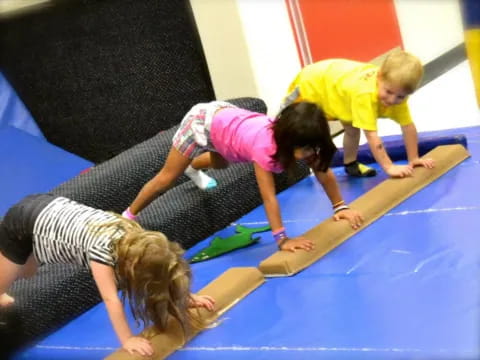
x: 358, y: 94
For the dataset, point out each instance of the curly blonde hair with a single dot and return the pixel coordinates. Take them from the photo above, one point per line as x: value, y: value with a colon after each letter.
x: 154, y: 277
x: 402, y: 69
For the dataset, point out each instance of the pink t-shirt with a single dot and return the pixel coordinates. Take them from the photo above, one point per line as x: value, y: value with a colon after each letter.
x: 244, y: 136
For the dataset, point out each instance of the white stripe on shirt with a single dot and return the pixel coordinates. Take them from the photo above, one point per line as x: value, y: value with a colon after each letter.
x: 65, y: 232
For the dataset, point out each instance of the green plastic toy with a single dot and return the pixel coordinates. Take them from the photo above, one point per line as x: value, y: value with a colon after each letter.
x: 219, y: 246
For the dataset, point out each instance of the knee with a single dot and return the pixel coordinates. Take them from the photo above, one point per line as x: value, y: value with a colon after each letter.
x: 29, y: 269
x: 163, y: 180
x: 27, y: 272
x: 220, y: 165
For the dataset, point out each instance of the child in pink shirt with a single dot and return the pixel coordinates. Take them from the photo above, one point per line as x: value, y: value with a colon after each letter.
x: 215, y: 134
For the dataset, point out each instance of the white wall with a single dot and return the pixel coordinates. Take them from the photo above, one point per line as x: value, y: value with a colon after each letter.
x: 224, y: 44
x: 429, y: 28
x: 436, y: 107
x: 272, y: 48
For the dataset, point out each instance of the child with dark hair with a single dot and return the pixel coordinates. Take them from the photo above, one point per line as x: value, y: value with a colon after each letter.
x: 358, y: 94
x: 149, y: 269
x: 215, y: 134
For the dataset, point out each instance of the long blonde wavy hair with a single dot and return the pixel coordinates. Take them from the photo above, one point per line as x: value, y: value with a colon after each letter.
x: 154, y: 277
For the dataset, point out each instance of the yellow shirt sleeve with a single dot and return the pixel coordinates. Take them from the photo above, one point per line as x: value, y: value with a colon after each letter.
x: 399, y: 113
x: 364, y: 113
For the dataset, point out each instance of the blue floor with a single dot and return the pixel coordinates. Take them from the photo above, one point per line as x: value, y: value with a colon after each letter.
x: 29, y: 165
x: 28, y: 162
x: 406, y: 287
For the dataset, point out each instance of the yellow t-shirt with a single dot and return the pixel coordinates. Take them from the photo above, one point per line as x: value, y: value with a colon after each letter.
x: 347, y: 90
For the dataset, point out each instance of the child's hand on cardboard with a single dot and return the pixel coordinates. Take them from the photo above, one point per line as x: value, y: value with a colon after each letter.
x: 295, y: 243
x: 138, y: 344
x: 426, y: 163
x: 351, y: 215
x: 204, y: 301
x: 400, y: 171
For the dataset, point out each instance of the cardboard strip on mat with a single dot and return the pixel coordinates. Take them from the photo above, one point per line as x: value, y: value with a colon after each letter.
x: 230, y: 287
x: 375, y: 203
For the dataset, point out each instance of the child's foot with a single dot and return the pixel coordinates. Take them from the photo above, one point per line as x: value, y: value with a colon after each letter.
x: 202, y: 180
x: 359, y: 170
x: 6, y: 300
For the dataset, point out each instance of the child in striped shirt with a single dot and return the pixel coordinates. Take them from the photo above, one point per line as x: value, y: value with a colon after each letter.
x: 45, y: 228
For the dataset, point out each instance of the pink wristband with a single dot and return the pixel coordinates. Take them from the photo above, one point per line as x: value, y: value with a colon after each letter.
x: 280, y: 235
x: 128, y: 214
x: 282, y: 229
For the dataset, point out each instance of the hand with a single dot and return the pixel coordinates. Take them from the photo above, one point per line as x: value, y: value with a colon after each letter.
x: 139, y: 345
x: 426, y: 163
x: 6, y: 300
x: 204, y: 301
x: 298, y: 242
x: 399, y: 171
x: 351, y: 215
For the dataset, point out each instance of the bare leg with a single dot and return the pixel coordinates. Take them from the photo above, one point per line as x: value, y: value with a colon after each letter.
x: 30, y: 268
x: 351, y: 139
x: 209, y: 160
x: 10, y: 272
x: 202, y: 161
x: 175, y: 165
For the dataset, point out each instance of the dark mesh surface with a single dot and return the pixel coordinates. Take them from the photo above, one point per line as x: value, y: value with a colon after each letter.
x: 55, y: 295
x: 102, y: 76
x: 61, y: 292
x: 114, y: 184
x: 187, y: 215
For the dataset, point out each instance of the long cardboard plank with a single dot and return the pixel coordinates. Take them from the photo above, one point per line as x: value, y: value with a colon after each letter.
x: 375, y: 203
x: 229, y: 288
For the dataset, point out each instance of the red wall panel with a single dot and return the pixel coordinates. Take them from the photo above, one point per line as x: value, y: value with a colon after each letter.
x: 355, y: 29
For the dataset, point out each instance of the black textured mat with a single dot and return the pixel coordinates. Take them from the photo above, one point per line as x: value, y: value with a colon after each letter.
x: 59, y: 293
x: 102, y: 76
x: 187, y: 214
x: 45, y: 302
x: 113, y: 184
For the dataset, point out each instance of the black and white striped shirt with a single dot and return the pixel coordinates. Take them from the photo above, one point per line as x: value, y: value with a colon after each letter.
x: 66, y: 232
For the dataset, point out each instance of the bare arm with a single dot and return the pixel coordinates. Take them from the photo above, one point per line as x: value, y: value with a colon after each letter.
x: 382, y: 158
x: 410, y: 138
x: 330, y: 186
x: 266, y: 185
x: 378, y: 150
x: 104, y: 277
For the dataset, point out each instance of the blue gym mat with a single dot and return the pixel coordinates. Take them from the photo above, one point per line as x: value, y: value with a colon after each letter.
x: 29, y: 164
x: 13, y: 112
x: 406, y: 287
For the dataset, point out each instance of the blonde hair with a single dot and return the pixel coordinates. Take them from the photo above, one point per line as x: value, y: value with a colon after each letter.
x: 154, y: 277
x: 402, y: 69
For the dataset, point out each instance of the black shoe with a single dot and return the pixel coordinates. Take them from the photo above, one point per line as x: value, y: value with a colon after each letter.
x: 359, y: 170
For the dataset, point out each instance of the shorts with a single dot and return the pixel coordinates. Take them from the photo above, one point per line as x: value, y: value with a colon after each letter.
x: 16, y: 228
x: 294, y: 97
x: 290, y: 99
x: 193, y: 135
